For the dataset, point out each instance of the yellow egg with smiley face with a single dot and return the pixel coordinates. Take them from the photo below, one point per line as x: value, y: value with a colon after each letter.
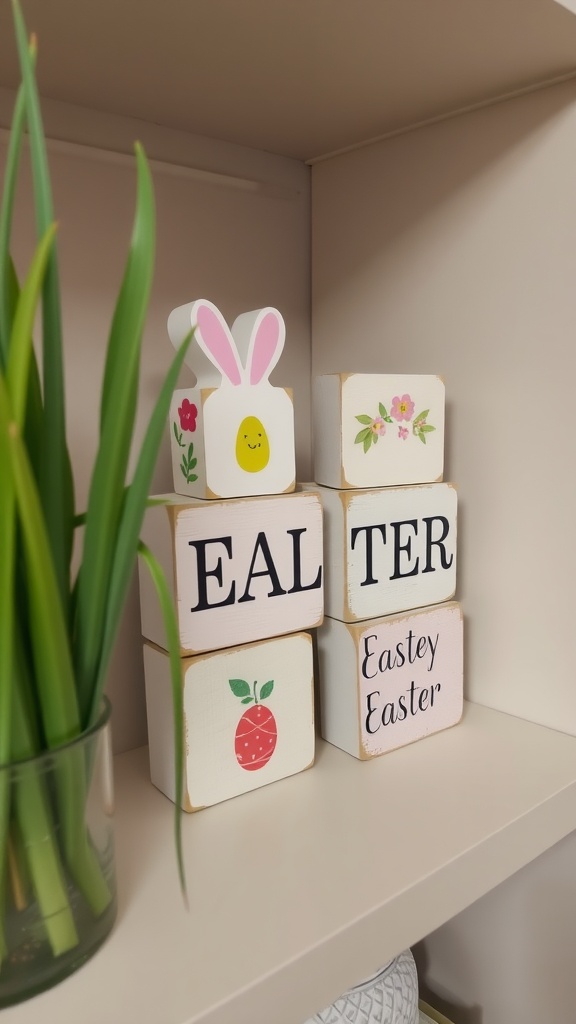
x: 252, y: 445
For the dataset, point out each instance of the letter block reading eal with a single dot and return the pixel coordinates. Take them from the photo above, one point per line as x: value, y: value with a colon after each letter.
x: 378, y: 430
x: 388, y: 549
x: 233, y: 434
x: 248, y: 718
x: 390, y: 681
x: 242, y: 569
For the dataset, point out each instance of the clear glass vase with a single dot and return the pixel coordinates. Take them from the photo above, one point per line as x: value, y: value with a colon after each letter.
x: 57, y: 880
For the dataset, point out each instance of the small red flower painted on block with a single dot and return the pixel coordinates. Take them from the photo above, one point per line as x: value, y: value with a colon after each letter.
x: 256, y: 732
x: 187, y: 413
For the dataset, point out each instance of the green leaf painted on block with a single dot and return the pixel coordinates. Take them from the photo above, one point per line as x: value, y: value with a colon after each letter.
x: 191, y: 478
x: 383, y: 411
x: 362, y: 435
x: 364, y: 419
x: 239, y: 687
x: 193, y: 463
x: 422, y: 438
x: 367, y: 442
x: 247, y: 700
x: 267, y: 689
x: 426, y: 429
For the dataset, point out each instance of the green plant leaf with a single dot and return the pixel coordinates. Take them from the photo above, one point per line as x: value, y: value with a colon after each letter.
x: 48, y: 629
x: 364, y: 419
x: 375, y: 438
x: 133, y: 509
x: 267, y: 689
x: 118, y: 406
x: 362, y: 435
x: 383, y: 412
x: 173, y: 642
x: 18, y: 366
x: 191, y: 478
x: 247, y: 700
x: 6, y: 213
x: 55, y: 475
x: 422, y: 415
x: 427, y: 429
x: 367, y: 442
x: 193, y: 463
x: 239, y: 687
x: 422, y: 437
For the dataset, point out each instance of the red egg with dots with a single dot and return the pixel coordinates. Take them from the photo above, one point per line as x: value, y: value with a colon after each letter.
x: 256, y: 732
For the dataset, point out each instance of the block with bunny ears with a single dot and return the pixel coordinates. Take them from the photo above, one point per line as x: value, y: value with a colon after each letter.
x: 233, y: 434
x: 248, y: 718
x: 378, y: 430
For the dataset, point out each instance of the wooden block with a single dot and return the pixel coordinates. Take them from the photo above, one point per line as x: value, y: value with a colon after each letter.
x: 232, y: 435
x: 241, y: 570
x: 390, y: 681
x: 377, y: 430
x: 248, y: 717
x: 388, y: 549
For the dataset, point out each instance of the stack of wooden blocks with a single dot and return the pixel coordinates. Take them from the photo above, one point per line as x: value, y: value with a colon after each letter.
x: 243, y: 549
x: 391, y: 645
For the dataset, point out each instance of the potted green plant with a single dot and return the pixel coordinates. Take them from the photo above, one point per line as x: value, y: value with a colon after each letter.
x: 57, y: 628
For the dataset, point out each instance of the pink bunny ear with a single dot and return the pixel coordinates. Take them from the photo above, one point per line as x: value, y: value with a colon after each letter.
x: 266, y: 344
x: 214, y: 338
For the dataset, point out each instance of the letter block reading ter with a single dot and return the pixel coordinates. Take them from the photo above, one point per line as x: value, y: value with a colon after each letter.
x: 388, y: 549
x: 378, y: 430
x: 390, y: 681
x: 241, y: 569
x: 248, y: 718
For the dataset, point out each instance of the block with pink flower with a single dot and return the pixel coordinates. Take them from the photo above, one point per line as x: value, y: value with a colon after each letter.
x: 378, y: 430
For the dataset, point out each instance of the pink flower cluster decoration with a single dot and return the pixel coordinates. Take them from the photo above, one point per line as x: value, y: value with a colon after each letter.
x: 401, y: 410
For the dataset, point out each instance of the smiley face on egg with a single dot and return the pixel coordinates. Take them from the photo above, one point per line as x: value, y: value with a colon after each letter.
x: 252, y: 445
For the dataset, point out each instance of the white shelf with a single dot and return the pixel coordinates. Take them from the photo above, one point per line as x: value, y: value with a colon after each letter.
x: 300, y: 78
x: 301, y: 888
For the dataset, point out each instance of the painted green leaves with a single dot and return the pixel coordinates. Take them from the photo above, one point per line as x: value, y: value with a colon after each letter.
x: 249, y: 695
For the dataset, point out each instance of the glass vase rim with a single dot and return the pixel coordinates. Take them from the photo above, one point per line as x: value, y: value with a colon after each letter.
x: 49, y: 752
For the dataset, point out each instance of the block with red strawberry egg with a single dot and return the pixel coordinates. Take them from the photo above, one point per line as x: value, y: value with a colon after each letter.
x: 248, y: 716
x: 377, y: 429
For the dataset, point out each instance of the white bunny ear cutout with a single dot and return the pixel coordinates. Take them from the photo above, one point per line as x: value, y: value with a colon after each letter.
x: 259, y: 337
x: 212, y: 355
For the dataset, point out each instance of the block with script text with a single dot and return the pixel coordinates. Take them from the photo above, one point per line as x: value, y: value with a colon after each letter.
x: 390, y: 681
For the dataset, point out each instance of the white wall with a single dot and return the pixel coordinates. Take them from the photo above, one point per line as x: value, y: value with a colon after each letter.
x: 452, y: 250
x: 243, y: 246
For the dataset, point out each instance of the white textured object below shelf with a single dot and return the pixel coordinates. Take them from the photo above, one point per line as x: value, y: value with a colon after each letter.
x: 300, y: 889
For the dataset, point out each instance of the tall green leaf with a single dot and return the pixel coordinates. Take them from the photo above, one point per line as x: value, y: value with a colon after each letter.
x: 48, y: 629
x: 56, y: 478
x: 132, y: 517
x: 6, y: 214
x: 173, y: 643
x: 108, y: 478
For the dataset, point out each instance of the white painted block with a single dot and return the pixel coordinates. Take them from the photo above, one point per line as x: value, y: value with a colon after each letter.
x: 248, y: 718
x: 378, y: 430
x: 390, y: 681
x: 241, y: 570
x: 388, y: 549
x: 233, y: 434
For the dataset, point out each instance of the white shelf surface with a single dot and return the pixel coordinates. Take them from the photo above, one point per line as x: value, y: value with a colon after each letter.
x: 288, y: 76
x: 301, y: 888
